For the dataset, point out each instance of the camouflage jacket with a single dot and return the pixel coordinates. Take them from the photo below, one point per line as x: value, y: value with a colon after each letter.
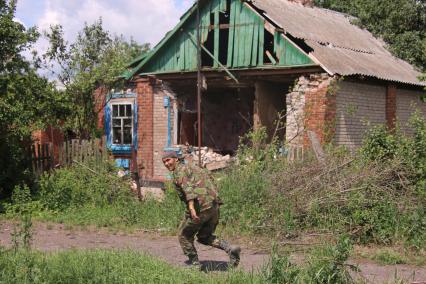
x: 194, y: 183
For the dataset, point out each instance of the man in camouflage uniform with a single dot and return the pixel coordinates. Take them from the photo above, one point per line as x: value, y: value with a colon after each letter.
x: 197, y: 190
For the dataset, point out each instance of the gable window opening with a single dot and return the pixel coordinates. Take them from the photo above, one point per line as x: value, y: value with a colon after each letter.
x: 122, y: 124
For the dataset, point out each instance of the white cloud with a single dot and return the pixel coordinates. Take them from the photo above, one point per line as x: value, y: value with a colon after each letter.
x: 144, y: 20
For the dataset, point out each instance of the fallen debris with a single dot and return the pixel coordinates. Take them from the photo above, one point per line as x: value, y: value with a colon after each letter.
x: 210, y: 159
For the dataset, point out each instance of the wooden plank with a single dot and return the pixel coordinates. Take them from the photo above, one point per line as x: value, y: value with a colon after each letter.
x: 237, y: 33
x: 255, y: 43
x: 251, y: 18
x: 216, y: 37
x: 271, y: 57
x: 39, y: 161
x: 181, y: 51
x: 244, y: 37
x: 277, y: 44
x: 269, y: 27
x: 68, y: 153
x: 72, y: 151
x: 223, y: 7
x: 231, y: 33
x: 52, y: 155
x: 60, y: 147
x: 261, y: 50
x: 81, y: 151
x: 282, y: 51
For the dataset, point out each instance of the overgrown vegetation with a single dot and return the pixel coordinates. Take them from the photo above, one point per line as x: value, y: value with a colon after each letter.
x: 325, y: 264
x: 375, y: 196
x: 80, y: 195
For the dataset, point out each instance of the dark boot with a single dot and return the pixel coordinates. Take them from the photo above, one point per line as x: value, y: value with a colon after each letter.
x: 232, y: 251
x: 194, y: 262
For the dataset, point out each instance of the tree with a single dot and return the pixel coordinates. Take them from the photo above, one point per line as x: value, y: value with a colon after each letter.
x: 94, y: 60
x: 27, y: 101
x: 401, y: 23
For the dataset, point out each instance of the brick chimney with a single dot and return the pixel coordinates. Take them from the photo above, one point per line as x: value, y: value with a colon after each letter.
x: 308, y: 3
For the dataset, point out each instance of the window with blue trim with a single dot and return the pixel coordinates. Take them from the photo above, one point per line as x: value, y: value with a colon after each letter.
x: 122, y: 124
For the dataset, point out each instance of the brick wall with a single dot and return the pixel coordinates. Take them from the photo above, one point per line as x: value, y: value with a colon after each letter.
x: 320, y: 108
x: 358, y: 105
x: 407, y: 101
x: 310, y: 107
x: 145, y: 100
x: 160, y: 131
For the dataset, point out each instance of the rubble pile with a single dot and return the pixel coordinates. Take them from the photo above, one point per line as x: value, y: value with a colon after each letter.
x: 210, y: 159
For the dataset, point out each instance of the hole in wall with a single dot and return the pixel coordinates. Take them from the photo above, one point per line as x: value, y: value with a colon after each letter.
x: 269, y: 48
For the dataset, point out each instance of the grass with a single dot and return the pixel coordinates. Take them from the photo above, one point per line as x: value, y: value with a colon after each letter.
x: 326, y: 264
x: 391, y: 255
x: 103, y: 266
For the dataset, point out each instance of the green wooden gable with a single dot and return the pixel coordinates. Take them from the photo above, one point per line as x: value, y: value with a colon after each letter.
x: 232, y: 32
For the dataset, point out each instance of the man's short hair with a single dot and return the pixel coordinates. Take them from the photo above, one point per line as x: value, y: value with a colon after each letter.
x: 169, y: 154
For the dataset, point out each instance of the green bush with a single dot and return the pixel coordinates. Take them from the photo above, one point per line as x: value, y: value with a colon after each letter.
x: 77, y: 186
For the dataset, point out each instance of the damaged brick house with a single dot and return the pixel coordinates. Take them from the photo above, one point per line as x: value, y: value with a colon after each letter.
x: 260, y: 58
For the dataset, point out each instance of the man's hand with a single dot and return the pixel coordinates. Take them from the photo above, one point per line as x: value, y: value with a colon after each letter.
x: 194, y: 215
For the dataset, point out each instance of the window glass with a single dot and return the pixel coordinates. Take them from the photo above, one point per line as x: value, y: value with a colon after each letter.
x: 122, y: 112
x: 116, y: 135
x: 116, y: 122
x: 128, y: 110
x: 115, y: 110
x: 127, y: 122
x: 127, y: 137
x: 122, y: 124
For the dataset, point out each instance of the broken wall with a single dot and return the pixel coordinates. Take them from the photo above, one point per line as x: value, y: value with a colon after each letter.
x: 310, y: 107
x: 227, y: 115
x: 270, y: 102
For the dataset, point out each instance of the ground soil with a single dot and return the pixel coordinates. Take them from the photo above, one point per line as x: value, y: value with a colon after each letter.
x: 55, y: 237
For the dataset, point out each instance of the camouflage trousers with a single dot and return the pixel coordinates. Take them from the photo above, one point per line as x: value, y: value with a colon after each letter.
x: 204, y: 230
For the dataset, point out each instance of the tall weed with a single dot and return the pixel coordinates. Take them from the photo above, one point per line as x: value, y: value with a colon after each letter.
x: 325, y: 264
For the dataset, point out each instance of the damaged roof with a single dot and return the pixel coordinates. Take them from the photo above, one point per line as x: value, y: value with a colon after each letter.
x: 339, y: 46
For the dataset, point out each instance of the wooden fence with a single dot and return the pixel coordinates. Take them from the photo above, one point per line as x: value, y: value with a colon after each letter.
x: 82, y: 151
x: 45, y: 157
x: 295, y: 153
x: 42, y: 158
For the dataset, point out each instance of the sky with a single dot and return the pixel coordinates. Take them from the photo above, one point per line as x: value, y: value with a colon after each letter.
x: 143, y: 20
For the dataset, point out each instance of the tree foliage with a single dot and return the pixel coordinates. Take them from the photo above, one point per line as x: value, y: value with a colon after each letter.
x: 401, y: 23
x: 95, y: 59
x: 27, y: 101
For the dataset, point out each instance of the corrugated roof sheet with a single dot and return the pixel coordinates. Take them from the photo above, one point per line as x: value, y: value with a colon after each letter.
x: 340, y: 46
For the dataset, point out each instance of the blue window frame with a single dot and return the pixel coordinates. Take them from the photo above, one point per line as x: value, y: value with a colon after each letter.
x: 121, y: 125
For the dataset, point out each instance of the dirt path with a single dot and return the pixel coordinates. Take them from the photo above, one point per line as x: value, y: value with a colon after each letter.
x: 55, y: 238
